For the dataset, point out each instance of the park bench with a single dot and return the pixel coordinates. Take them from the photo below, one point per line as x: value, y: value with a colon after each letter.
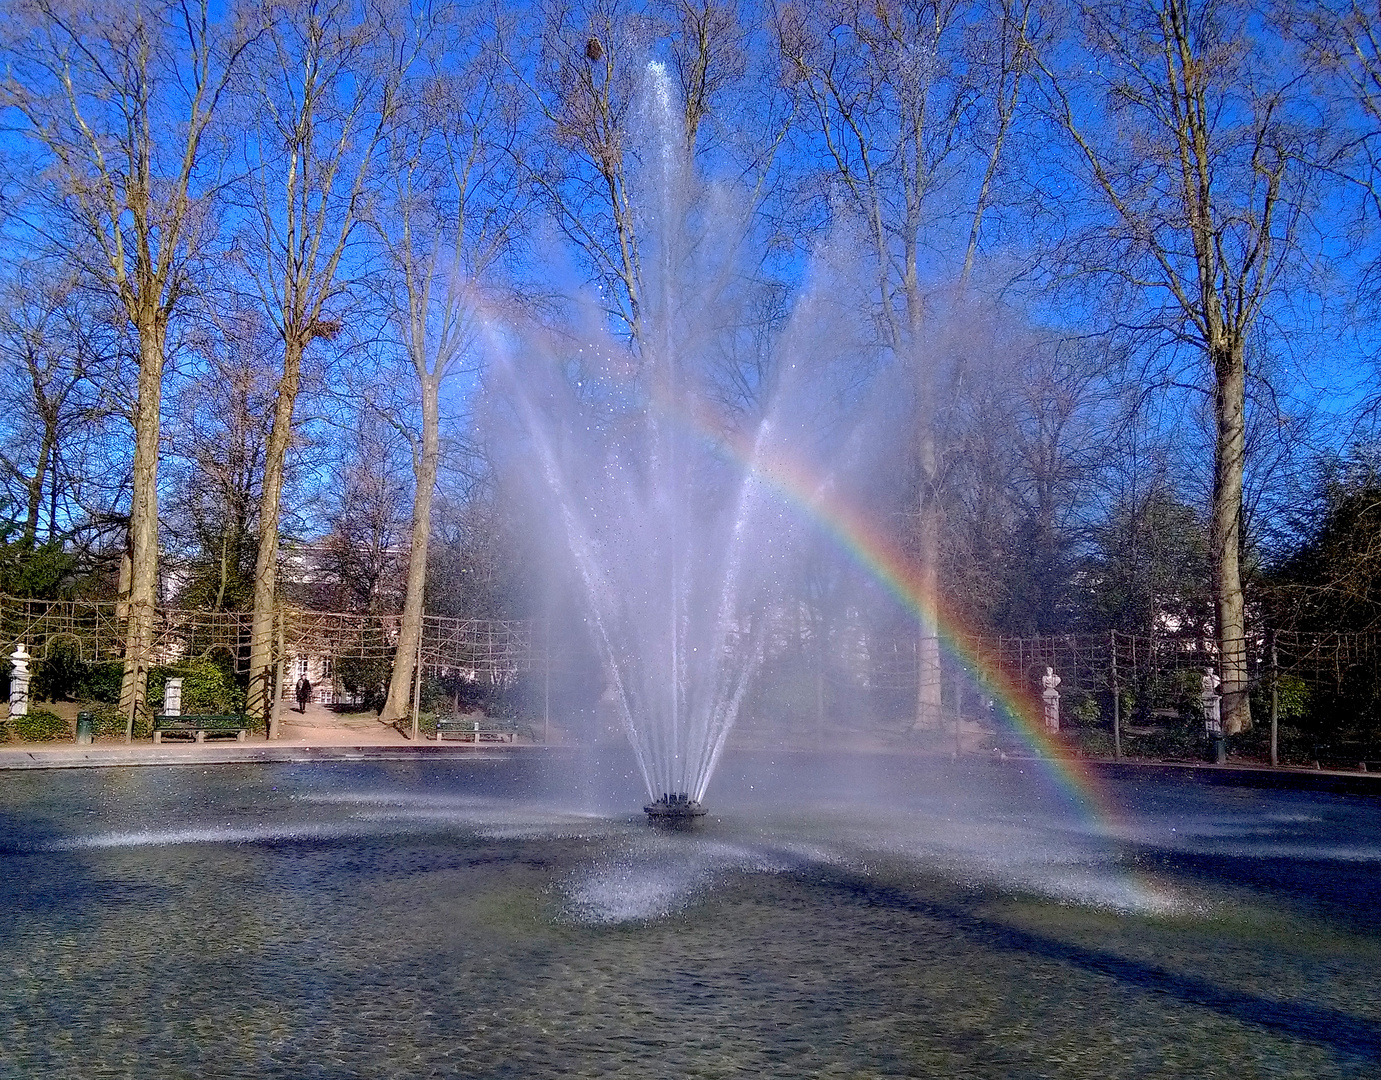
x: 470, y: 729
x: 199, y: 725
x: 1358, y: 755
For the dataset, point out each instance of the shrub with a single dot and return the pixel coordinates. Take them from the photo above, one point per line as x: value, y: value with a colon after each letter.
x: 58, y: 675
x: 101, y: 682
x: 1175, y: 740
x: 107, y: 720
x: 1292, y: 700
x: 41, y: 725
x: 1081, y: 709
x: 62, y: 675
x: 1188, y: 700
x: 207, y: 687
x: 426, y: 724
x: 1095, y: 742
x: 364, y: 677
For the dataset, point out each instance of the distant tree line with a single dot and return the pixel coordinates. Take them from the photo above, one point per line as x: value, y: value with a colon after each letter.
x: 1111, y: 267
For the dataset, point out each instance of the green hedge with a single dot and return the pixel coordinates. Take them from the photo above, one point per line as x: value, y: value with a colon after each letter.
x: 207, y: 687
x: 101, y: 682
x: 109, y: 722
x: 62, y: 675
x: 44, y: 725
x: 41, y: 725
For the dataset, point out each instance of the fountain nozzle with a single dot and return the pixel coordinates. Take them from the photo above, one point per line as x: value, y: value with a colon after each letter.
x: 674, y: 809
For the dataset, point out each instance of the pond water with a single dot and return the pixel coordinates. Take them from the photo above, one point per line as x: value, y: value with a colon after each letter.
x: 836, y: 916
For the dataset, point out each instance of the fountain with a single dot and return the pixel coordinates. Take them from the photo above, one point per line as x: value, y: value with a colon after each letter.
x: 675, y: 809
x: 680, y: 546
x: 851, y: 914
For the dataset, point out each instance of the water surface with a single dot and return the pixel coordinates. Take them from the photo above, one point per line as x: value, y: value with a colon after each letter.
x: 837, y: 916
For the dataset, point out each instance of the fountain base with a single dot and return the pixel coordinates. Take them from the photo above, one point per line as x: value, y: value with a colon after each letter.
x: 675, y: 810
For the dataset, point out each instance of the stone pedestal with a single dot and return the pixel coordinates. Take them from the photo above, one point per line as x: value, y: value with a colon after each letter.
x: 1210, y: 702
x: 1050, y: 700
x: 172, y: 697
x: 19, y: 681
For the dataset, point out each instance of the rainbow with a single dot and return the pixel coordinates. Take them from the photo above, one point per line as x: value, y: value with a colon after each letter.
x: 855, y: 533
x: 880, y: 557
x: 815, y: 497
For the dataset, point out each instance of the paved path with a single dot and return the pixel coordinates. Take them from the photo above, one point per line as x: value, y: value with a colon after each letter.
x: 320, y: 726
x: 314, y: 735
x: 320, y: 734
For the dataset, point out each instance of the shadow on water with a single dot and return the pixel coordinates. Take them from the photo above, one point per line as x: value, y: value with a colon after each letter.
x: 40, y: 878
x: 1346, y: 1035
x: 1344, y: 892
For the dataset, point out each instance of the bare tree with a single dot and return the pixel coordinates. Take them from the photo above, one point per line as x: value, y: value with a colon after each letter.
x: 584, y: 80
x: 118, y: 100
x: 321, y: 91
x: 48, y: 351
x: 1184, y: 120
x: 1343, y: 40
x: 219, y: 431
x: 1061, y: 441
x: 1027, y: 428
x: 898, y: 95
x: 451, y: 211
x: 359, y: 564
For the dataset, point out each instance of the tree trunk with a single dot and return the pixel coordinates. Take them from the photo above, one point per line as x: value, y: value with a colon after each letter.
x: 261, y: 659
x: 1230, y: 415
x: 928, y: 574
x: 143, y: 527
x: 35, y: 493
x: 396, y: 705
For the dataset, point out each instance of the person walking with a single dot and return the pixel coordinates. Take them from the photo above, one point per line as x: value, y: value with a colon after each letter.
x: 304, y: 694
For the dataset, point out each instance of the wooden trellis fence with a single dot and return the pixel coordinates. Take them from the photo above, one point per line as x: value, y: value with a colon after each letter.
x: 493, y: 649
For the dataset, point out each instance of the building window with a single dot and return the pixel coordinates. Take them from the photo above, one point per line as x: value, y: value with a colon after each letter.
x: 301, y: 667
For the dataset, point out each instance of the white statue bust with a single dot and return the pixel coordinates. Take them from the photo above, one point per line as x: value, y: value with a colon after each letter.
x: 1049, y: 681
x: 19, y: 660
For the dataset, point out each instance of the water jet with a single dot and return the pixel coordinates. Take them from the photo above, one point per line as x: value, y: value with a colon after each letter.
x: 680, y: 547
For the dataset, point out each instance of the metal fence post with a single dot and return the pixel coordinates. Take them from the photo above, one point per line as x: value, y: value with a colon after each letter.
x: 1275, y: 702
x: 417, y: 689
x: 546, y: 678
x: 1116, y: 700
x: 273, y: 713
x: 958, y: 712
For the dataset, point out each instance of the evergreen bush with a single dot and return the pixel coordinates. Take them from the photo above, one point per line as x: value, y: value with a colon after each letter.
x: 207, y: 687
x: 107, y: 719
x: 58, y: 674
x: 365, y: 677
x: 101, y: 682
x: 41, y: 725
x: 1079, y: 708
x: 62, y: 675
